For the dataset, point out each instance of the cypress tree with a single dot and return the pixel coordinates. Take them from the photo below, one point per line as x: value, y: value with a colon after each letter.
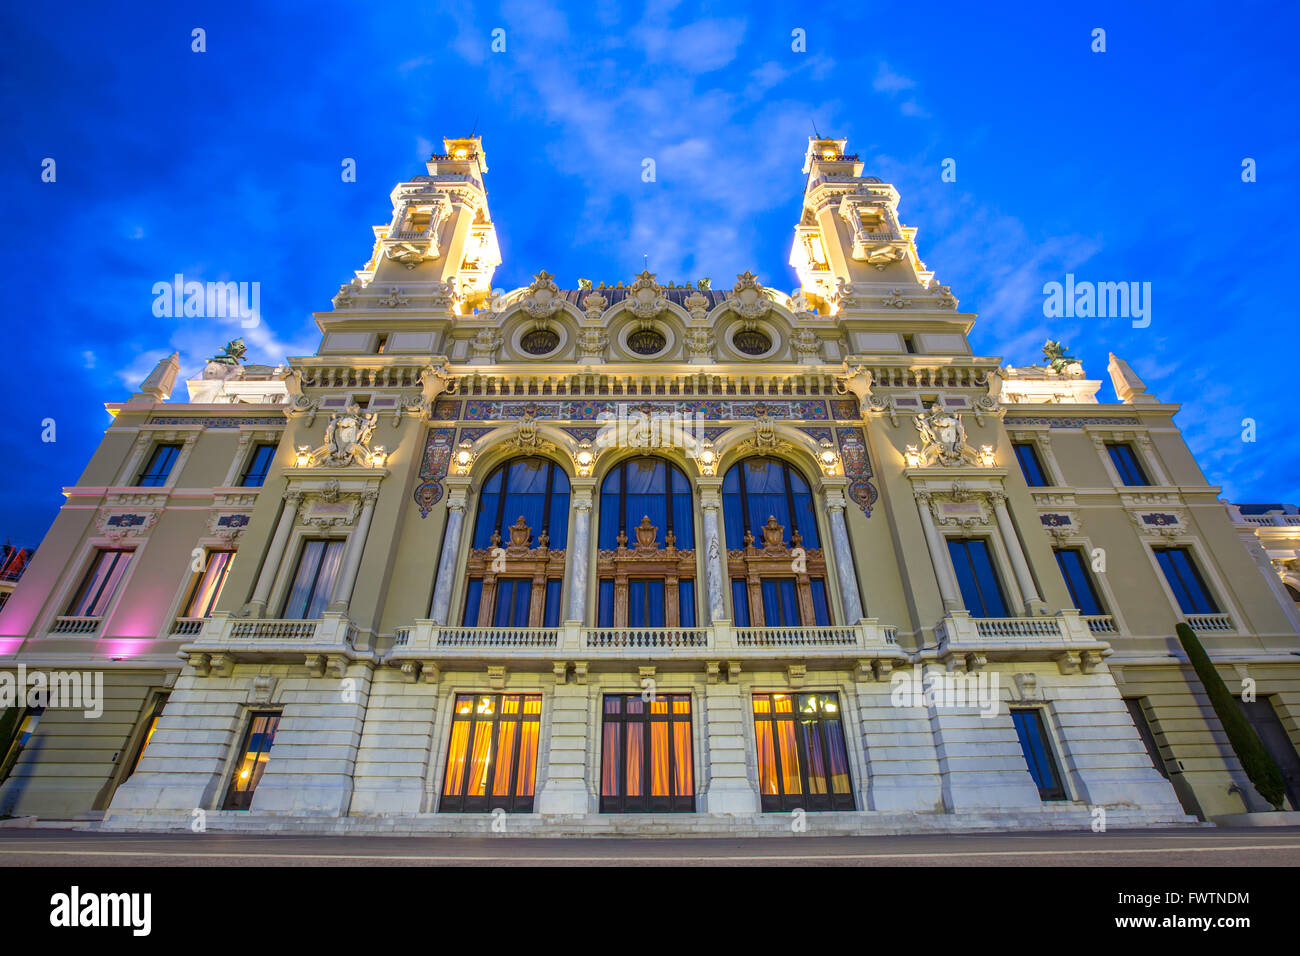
x: 1255, y: 758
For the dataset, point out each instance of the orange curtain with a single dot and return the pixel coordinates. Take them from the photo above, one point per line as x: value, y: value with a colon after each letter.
x: 659, y: 759
x: 682, y: 757
x: 505, y: 753
x: 456, y: 758
x: 609, y: 761
x: 527, y: 775
x: 478, y: 760
x: 634, y: 760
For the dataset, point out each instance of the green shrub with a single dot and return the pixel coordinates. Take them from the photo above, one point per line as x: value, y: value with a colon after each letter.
x: 1255, y: 758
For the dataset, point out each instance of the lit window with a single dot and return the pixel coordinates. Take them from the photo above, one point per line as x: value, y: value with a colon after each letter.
x: 492, y: 755
x: 255, y: 752
x: 258, y: 466
x: 1037, y: 749
x: 160, y: 466
x: 803, y: 763
x: 151, y: 724
x: 208, y: 584
x: 312, y: 584
x: 101, y: 583
x: 646, y: 763
x: 31, y: 717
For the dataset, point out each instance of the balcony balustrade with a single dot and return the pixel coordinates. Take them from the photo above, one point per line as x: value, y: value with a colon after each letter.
x: 1068, y: 638
x: 427, y: 639
x: 67, y: 624
x: 1211, y: 622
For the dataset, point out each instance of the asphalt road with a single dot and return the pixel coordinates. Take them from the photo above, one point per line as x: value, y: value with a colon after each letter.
x: 1174, y: 848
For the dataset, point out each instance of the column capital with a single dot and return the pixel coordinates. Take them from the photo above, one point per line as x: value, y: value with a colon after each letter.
x: 293, y: 497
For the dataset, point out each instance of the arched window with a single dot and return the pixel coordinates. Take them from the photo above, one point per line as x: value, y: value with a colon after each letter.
x: 767, y: 510
x: 516, y: 562
x: 646, y: 564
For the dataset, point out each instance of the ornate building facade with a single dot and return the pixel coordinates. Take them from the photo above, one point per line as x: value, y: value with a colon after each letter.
x: 648, y: 557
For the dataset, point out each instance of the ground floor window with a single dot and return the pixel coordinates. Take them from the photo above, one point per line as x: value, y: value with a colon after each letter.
x: 646, y: 760
x: 802, y: 760
x: 18, y: 724
x: 492, y: 755
x: 252, y: 758
x: 1037, y: 748
x: 150, y: 725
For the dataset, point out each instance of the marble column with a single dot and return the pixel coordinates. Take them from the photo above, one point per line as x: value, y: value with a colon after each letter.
x: 352, y: 555
x: 578, y: 555
x: 1024, y: 579
x: 274, y: 554
x: 710, y: 503
x: 948, y: 589
x: 849, y: 594
x: 456, y: 498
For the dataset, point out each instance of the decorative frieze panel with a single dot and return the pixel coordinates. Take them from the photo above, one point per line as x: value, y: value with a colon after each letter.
x: 1157, y: 524
x: 126, y: 524
x: 857, y: 467
x: 596, y: 409
x: 433, y: 468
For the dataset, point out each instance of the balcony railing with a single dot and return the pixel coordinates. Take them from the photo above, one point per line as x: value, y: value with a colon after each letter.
x: 639, y: 637
x: 330, y: 630
x: 67, y: 624
x: 1210, y: 622
x: 427, y: 638
x: 1100, y: 623
x: 1278, y: 521
x: 797, y: 636
x: 1066, y: 628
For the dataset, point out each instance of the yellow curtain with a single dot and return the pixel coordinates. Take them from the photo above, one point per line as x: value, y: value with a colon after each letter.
x: 659, y: 759
x: 478, y: 760
x: 527, y: 758
x: 682, y: 757
x: 456, y: 759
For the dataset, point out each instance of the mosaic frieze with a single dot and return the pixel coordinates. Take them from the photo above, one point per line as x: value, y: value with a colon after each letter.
x: 212, y: 422
x: 590, y: 410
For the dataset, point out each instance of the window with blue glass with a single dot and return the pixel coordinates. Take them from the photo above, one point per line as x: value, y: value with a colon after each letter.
x: 534, y: 489
x: 523, y: 521
x: 767, y: 513
x: 1037, y: 748
x: 318, y: 567
x: 1126, y: 463
x: 981, y: 591
x: 645, y: 564
x: 1032, y: 468
x: 1185, y: 581
x: 259, y: 464
x: 159, y: 466
x: 759, y: 489
x: 1083, y: 592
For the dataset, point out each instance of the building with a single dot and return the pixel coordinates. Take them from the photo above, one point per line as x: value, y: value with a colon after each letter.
x: 644, y: 557
x: 13, y: 562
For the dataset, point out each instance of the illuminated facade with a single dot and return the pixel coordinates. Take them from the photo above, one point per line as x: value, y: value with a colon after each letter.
x: 648, y: 557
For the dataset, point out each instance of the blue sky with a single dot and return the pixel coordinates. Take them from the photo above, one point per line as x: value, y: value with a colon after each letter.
x: 224, y: 165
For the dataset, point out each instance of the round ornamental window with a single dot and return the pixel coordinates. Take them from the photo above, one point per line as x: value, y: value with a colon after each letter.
x: 647, y: 342
x: 540, y: 341
x: 752, y: 342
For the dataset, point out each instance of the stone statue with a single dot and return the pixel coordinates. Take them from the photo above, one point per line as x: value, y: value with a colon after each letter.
x: 232, y: 353
x: 347, y: 438
x: 1057, y: 357
x: 943, y: 437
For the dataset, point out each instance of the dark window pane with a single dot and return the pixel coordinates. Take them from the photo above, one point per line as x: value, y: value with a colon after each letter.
x: 551, y: 617
x: 686, y: 602
x: 605, y: 604
x: 821, y: 609
x: 1185, y: 581
x: 740, y: 602
x: 1079, y: 581
x: 1038, y: 752
x: 160, y: 466
x: 473, y: 595
x: 1126, y: 463
x: 1029, y: 464
x: 258, y: 466
x: 980, y: 589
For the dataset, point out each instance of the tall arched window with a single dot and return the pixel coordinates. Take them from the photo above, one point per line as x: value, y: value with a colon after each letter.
x: 646, y: 564
x: 767, y: 508
x: 516, y: 562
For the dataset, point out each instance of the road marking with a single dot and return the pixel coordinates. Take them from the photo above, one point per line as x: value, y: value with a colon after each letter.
x: 823, y: 858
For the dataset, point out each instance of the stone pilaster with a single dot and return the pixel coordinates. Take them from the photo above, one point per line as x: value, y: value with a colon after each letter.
x: 579, y: 549
x: 396, y: 744
x: 457, y: 493
x: 1024, y: 578
x: 352, y: 555
x: 565, y: 789
x: 730, y: 789
x: 849, y: 593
